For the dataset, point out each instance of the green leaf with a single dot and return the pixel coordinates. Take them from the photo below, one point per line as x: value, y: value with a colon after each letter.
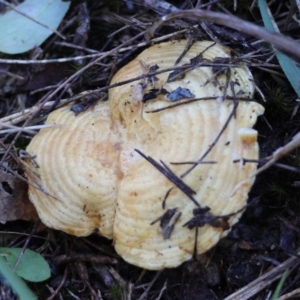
x: 280, y: 286
x: 17, y: 283
x: 19, y: 34
x: 32, y: 266
x: 289, y: 67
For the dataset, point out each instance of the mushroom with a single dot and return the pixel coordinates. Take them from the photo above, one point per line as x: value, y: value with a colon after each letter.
x: 155, y: 167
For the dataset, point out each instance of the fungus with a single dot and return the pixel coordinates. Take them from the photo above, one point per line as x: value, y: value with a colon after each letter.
x: 155, y: 174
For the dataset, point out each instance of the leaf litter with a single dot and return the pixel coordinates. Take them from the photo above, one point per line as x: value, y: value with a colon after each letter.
x: 260, y: 243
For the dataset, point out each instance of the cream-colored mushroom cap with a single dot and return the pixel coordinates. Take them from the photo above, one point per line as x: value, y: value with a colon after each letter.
x: 74, y: 184
x: 111, y: 168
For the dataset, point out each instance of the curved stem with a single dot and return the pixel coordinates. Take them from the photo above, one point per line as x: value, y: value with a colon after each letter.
x: 17, y: 283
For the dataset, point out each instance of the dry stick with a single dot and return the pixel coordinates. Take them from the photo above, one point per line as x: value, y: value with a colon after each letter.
x: 8, y: 169
x: 22, y: 233
x: 74, y: 257
x: 263, y: 281
x: 28, y: 239
x: 190, y: 66
x: 279, y: 153
x: 261, y: 161
x: 21, y: 116
x: 96, y: 55
x: 30, y: 18
x: 70, y: 45
x: 286, y: 167
x: 162, y: 290
x: 60, y: 285
x: 46, y: 88
x: 166, y: 197
x: 78, y: 73
x: 282, y: 43
x: 28, y: 129
x: 12, y: 75
x: 168, y: 173
x: 194, y: 100
x: 144, y: 295
x: 36, y: 185
x: 298, y: 4
x: 292, y: 294
x: 231, y: 115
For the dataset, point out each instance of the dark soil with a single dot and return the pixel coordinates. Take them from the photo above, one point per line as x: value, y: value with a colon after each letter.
x: 269, y: 231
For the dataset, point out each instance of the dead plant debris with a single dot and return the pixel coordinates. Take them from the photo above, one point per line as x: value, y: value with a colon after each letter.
x: 101, y: 37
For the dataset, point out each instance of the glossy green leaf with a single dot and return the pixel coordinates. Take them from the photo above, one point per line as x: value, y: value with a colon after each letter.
x: 32, y: 266
x: 19, y: 34
x: 288, y: 65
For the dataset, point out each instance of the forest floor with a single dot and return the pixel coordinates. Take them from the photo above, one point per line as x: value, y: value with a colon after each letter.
x: 260, y: 249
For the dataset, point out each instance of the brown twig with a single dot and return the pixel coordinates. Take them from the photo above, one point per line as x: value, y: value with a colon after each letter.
x: 281, y: 152
x: 168, y: 173
x: 96, y: 55
x: 263, y: 281
x: 73, y: 257
x: 278, y: 154
x: 231, y: 115
x: 290, y: 295
x: 144, y: 295
x: 75, y: 75
x: 60, y: 285
x: 28, y: 239
x: 282, y: 43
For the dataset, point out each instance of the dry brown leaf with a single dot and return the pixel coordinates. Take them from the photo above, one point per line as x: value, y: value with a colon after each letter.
x: 14, y: 201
